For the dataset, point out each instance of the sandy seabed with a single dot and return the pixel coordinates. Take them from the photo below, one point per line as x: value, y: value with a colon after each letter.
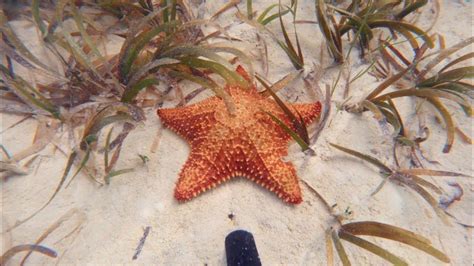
x: 107, y: 222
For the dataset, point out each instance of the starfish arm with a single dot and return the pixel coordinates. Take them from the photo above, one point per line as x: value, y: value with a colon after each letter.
x: 201, y: 172
x: 191, y: 122
x: 308, y: 111
x: 194, y: 178
x: 268, y: 170
x: 265, y: 165
x: 280, y: 177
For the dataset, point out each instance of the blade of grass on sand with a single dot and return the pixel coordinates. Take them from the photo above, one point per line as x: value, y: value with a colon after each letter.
x: 393, y: 120
x: 99, y: 121
x: 332, y: 36
x: 294, y: 4
x: 130, y: 93
x: 387, y: 83
x: 231, y: 77
x: 69, y: 164
x: 295, y: 56
x: 107, y: 148
x: 297, y: 123
x: 464, y: 137
x: 190, y: 50
x: 59, y: 12
x: 329, y: 249
x: 241, y: 55
x: 458, y: 92
x: 450, y: 127
x: 423, y: 93
x: 397, y: 24
x: 411, y: 7
x: 261, y: 28
x: 430, y: 200
x: 174, y: 5
x: 117, y: 173
x: 457, y: 61
x: 394, y: 233
x: 207, y: 83
x: 17, y: 43
x: 118, y: 148
x: 377, y: 250
x: 444, y: 54
x: 391, y: 46
x: 50, y: 229
x: 393, y: 109
x: 262, y: 19
x: 164, y: 5
x: 57, y: 22
x: 87, y: 39
x: 21, y: 248
x: 378, y: 115
x: 136, y: 27
x: 420, y: 181
x: 279, y: 85
x: 451, y: 75
x: 265, y: 12
x: 304, y: 146
x: 29, y: 94
x: 380, y: 186
x: 364, y: 157
x: 91, y: 134
x: 363, y: 72
x: 422, y: 171
x: 137, y: 44
x: 11, y: 54
x: 45, y: 133
x: 169, y: 9
x: 249, y: 9
x: 292, y: 55
x: 340, y: 249
x: 36, y: 16
x: 79, y: 55
x: 412, y: 40
x: 149, y: 68
x: 113, y: 113
x: 83, y: 162
x: 226, y: 7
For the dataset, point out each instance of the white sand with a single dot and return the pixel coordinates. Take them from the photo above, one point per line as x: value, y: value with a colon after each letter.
x: 112, y: 218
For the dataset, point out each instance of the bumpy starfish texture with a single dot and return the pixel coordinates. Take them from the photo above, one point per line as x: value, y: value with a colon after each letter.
x: 248, y: 144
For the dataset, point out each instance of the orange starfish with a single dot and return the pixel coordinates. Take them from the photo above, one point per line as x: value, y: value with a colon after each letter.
x: 248, y: 144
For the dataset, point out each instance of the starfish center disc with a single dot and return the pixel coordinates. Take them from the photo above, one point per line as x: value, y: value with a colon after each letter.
x: 247, y: 113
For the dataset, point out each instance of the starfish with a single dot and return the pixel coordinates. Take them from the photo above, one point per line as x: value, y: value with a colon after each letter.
x: 246, y: 144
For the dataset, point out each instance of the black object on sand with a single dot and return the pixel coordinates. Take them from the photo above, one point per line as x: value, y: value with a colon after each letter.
x: 241, y: 250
